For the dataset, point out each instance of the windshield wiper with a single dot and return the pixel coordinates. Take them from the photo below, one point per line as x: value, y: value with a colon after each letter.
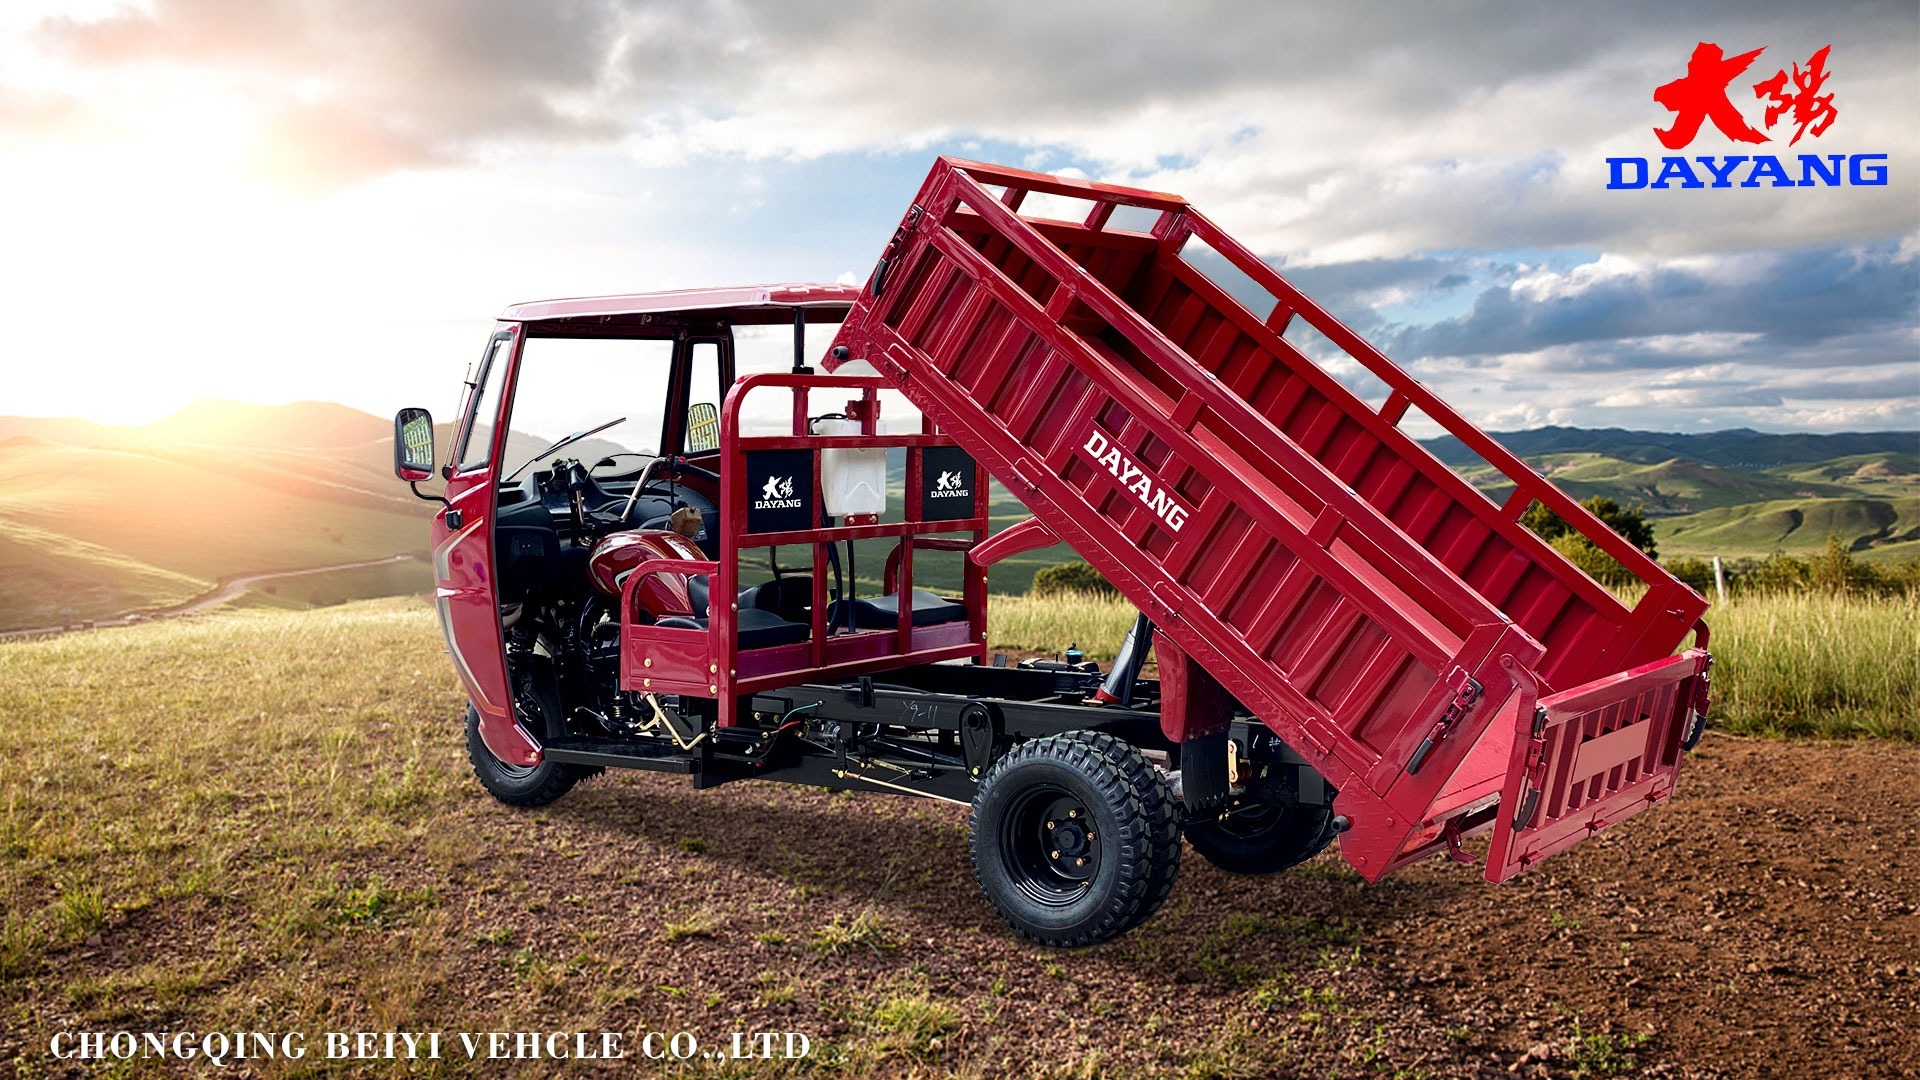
x: 568, y: 441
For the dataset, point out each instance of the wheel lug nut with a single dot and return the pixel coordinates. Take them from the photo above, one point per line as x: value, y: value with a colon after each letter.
x: 1073, y: 813
x: 1050, y: 825
x: 1056, y: 854
x: 1079, y: 862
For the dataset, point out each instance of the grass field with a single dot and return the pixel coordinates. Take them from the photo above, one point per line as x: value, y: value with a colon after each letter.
x: 263, y: 817
x: 1876, y: 528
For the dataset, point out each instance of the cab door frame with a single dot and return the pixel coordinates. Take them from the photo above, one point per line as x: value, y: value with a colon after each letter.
x: 466, y: 594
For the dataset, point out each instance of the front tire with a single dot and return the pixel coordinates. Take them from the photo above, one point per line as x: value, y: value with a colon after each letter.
x: 518, y: 785
x: 1075, y: 839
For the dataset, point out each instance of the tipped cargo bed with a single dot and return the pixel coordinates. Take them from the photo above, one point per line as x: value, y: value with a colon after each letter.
x: 1438, y: 663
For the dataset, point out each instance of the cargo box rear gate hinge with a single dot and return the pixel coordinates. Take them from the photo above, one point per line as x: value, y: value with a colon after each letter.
x: 1466, y: 691
x: 878, y: 283
x: 1536, y: 771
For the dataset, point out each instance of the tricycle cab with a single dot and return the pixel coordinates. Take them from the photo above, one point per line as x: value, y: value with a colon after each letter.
x: 505, y: 550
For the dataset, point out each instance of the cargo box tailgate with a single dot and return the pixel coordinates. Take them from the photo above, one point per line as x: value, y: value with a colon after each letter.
x: 1595, y: 755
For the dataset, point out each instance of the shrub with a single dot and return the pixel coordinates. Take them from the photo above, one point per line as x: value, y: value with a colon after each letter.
x: 1598, y: 565
x: 1696, y: 573
x: 1071, y: 578
x: 1834, y: 571
x: 1629, y: 522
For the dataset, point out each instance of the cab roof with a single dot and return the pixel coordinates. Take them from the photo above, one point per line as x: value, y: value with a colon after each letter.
x: 745, y: 304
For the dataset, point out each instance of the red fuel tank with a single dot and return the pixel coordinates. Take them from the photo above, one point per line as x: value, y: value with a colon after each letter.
x: 660, y: 595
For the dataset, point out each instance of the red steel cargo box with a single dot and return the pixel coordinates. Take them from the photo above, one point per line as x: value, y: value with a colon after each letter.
x: 1436, y: 661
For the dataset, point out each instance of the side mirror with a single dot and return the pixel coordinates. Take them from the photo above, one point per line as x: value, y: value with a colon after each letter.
x: 703, y: 428
x: 413, y: 445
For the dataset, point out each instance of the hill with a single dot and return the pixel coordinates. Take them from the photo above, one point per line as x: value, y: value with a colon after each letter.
x: 1675, y: 486
x: 1877, y: 528
x: 1737, y: 448
x: 96, y: 521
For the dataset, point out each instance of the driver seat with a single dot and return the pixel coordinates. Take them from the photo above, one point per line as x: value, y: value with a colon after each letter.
x: 679, y: 600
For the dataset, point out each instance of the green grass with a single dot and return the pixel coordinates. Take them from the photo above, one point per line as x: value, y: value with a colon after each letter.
x: 865, y: 930
x: 212, y: 775
x: 1817, y: 664
x: 1050, y: 624
x: 1784, y: 664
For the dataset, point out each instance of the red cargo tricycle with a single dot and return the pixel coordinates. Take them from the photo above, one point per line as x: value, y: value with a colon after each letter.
x: 1351, y: 641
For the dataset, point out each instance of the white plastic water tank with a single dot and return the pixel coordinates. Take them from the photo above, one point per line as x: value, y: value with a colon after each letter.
x: 854, y: 481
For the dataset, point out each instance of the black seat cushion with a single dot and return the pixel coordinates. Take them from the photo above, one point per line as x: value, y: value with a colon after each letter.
x: 789, y: 596
x: 883, y: 612
x: 758, y: 629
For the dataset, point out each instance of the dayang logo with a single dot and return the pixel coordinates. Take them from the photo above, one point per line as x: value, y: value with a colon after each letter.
x: 1796, y: 100
x: 777, y: 494
x: 1136, y: 480
x: 949, y: 485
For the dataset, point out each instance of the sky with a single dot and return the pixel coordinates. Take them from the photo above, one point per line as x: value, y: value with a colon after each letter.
x: 278, y: 200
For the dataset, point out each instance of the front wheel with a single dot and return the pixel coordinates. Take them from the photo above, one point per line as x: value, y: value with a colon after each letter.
x: 518, y: 785
x: 1074, y: 838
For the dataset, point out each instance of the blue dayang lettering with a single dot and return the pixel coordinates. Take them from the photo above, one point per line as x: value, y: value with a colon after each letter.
x: 1676, y: 168
x: 1811, y: 165
x: 1722, y: 175
x: 1816, y: 170
x: 1617, y: 175
x: 1767, y: 165
x: 1860, y: 174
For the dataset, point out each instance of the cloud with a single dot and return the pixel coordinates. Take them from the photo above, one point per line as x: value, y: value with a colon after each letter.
x: 1755, y: 303
x: 356, y: 88
x: 1436, y: 180
x: 1321, y: 136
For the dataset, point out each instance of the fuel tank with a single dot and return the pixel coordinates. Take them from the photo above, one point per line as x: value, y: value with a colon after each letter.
x: 660, y: 595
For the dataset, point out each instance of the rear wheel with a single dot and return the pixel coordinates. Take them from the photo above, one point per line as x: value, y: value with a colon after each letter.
x: 1074, y: 839
x: 1265, y: 837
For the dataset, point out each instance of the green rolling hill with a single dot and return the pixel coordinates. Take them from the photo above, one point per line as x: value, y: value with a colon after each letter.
x: 1671, y: 487
x: 1875, y: 528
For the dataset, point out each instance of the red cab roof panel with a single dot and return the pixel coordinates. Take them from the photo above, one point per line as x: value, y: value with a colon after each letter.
x: 740, y: 304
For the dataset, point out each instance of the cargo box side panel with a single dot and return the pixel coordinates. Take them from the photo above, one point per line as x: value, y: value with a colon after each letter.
x: 1301, y: 616
x: 1574, y: 617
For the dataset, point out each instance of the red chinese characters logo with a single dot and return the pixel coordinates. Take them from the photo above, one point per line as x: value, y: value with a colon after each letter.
x: 1701, y: 95
x: 1812, y: 112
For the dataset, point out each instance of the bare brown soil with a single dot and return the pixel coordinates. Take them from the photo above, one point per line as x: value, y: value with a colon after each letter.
x: 1763, y: 923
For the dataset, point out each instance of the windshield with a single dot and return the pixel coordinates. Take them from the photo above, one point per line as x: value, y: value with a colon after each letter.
x: 575, y: 384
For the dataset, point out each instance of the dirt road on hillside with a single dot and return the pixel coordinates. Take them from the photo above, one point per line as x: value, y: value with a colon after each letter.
x: 228, y: 591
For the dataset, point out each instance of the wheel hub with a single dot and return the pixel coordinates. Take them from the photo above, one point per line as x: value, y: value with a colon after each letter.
x: 1051, y: 847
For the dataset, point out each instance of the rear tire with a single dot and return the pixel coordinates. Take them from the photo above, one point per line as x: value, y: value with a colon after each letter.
x: 518, y: 785
x: 1265, y: 838
x: 1075, y: 839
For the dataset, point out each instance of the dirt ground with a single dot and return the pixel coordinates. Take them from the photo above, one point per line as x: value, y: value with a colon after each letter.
x: 1762, y: 923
